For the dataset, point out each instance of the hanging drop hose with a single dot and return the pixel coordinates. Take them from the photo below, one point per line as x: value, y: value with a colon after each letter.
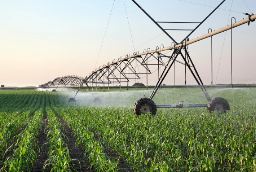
x: 81, y: 85
x: 223, y: 45
x: 77, y: 92
x: 73, y: 99
x: 95, y: 99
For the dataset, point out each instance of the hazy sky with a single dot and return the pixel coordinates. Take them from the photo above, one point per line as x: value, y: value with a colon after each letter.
x: 44, y: 39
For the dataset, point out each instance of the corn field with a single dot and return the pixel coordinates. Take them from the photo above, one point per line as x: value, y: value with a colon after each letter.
x: 41, y: 131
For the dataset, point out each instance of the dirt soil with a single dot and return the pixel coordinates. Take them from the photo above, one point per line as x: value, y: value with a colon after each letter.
x: 43, y: 148
x: 79, y: 160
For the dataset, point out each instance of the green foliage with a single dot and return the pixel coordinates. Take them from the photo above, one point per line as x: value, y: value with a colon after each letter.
x: 59, y: 158
x: 25, y: 155
x: 15, y: 117
x: 173, y: 140
x: 92, y: 147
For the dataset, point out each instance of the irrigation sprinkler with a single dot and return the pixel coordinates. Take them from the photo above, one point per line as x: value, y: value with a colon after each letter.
x: 145, y: 105
x: 73, y: 80
x: 67, y: 81
x: 46, y: 85
x: 218, y: 104
x: 57, y: 81
x: 124, y: 69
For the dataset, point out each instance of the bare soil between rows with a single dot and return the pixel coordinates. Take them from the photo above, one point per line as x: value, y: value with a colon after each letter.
x: 43, y: 149
x: 76, y: 152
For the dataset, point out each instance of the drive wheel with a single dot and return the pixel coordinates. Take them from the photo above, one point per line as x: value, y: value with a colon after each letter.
x: 145, y: 106
x: 54, y: 90
x: 72, y: 100
x: 219, y: 105
x: 97, y: 100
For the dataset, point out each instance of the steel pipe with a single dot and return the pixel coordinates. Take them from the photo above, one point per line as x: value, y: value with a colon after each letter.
x: 182, y: 106
x: 253, y: 17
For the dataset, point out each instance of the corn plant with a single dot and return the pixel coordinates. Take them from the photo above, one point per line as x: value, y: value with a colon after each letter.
x: 10, y: 130
x: 59, y: 158
x: 93, y: 148
x: 173, y: 140
x: 25, y: 155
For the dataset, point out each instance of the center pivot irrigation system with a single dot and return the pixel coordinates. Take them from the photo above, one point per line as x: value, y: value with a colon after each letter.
x: 123, y: 69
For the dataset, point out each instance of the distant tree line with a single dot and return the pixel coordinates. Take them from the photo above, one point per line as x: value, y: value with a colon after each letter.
x: 138, y: 84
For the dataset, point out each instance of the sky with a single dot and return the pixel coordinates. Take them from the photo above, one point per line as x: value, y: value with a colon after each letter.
x: 41, y: 40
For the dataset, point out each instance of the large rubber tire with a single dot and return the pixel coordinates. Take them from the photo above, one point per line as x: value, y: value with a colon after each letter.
x: 144, y: 106
x: 72, y: 100
x: 54, y: 90
x: 219, y: 105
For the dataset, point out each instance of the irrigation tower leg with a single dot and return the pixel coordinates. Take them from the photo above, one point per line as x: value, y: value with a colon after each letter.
x: 174, y: 74
x: 196, y: 75
x: 147, y: 76
x: 167, y: 68
x: 192, y: 69
x: 185, y: 59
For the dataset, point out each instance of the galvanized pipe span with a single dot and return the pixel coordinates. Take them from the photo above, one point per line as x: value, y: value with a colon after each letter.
x: 221, y: 30
x: 249, y: 19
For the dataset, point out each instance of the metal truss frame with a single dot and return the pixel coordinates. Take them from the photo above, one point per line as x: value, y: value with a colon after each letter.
x: 124, y: 69
x: 66, y: 81
x: 128, y: 71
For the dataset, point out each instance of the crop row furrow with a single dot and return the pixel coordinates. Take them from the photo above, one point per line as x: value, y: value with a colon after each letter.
x: 42, y: 147
x: 180, y: 143
x: 24, y: 156
x: 118, y: 141
x: 15, y: 103
x: 10, y: 131
x: 80, y: 162
x: 93, y: 148
x: 59, y: 158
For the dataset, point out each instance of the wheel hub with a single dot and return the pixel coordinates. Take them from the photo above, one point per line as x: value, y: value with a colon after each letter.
x: 145, y: 109
x: 72, y: 100
x: 219, y: 108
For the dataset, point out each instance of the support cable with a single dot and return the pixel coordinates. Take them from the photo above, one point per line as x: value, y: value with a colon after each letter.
x: 247, y: 6
x: 146, y: 42
x: 220, y: 58
x: 223, y: 46
x: 129, y: 25
x: 105, y: 32
x: 211, y: 6
x: 131, y: 38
